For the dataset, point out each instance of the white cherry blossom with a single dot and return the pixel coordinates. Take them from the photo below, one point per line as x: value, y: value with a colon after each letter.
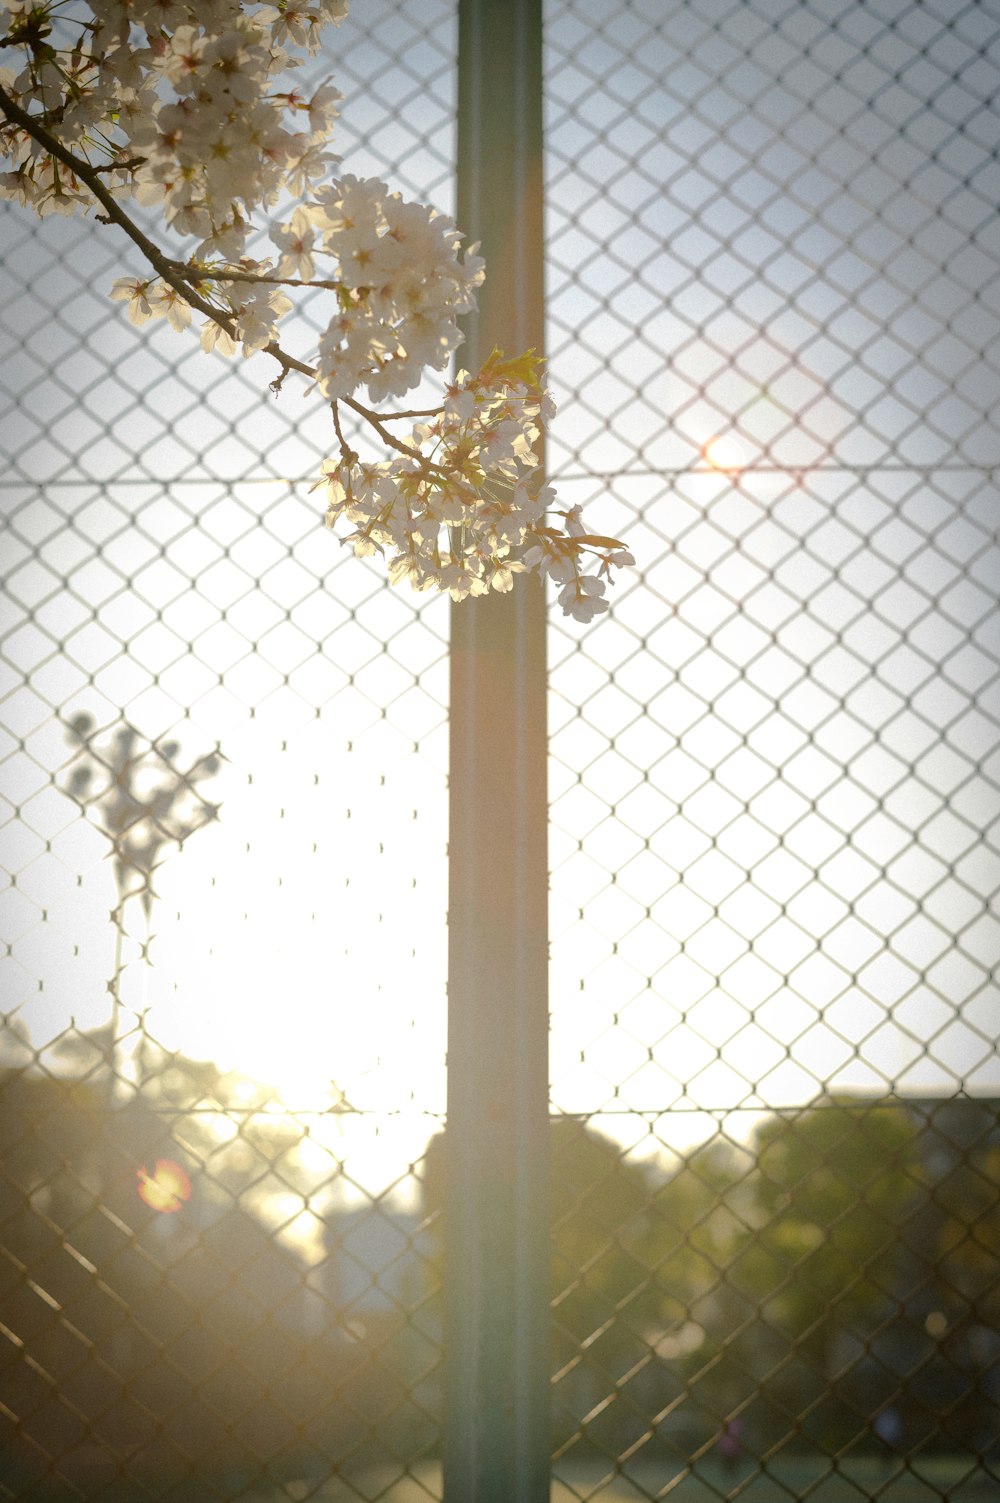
x: 191, y: 109
x: 137, y: 294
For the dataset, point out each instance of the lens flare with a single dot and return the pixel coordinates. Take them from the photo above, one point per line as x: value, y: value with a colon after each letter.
x: 166, y: 1189
x: 725, y: 453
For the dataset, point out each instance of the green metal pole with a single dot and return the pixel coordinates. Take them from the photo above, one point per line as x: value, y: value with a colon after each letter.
x: 496, y: 1204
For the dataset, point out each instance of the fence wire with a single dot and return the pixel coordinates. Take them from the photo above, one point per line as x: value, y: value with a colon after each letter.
x: 773, y: 297
x: 773, y: 287
x: 224, y: 987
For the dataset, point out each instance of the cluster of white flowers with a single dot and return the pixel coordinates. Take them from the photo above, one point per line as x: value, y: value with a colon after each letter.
x: 177, y: 104
x: 187, y: 109
x: 456, y: 507
x: 401, y: 286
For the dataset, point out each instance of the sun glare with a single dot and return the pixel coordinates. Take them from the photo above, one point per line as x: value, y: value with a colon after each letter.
x: 725, y: 452
x: 166, y: 1189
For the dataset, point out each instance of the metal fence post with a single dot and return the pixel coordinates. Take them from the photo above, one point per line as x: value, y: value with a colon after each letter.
x: 496, y: 1299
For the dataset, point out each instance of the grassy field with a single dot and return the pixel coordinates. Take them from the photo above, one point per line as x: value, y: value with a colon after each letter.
x: 866, y: 1480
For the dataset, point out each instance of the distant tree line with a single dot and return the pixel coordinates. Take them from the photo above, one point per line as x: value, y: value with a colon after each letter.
x: 840, y: 1264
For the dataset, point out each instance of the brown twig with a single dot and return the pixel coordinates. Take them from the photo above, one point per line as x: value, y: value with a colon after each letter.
x: 394, y: 417
x: 126, y: 166
x: 221, y: 274
x: 387, y: 438
x: 346, y: 452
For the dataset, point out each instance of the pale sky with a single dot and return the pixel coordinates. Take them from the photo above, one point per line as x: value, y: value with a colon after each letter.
x: 776, y: 379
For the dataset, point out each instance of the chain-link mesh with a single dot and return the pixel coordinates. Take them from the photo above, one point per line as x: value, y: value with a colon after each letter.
x: 773, y: 303
x: 229, y: 736
x: 773, y: 273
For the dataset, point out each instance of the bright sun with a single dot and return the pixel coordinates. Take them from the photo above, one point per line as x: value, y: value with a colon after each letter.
x: 725, y: 453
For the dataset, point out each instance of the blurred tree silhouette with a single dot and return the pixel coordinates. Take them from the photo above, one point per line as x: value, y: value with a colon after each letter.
x: 966, y: 1209
x: 842, y: 1260
x: 640, y: 1298
x: 817, y: 1268
x: 605, y: 1299
x: 833, y: 1184
x: 636, y: 1258
x: 236, y: 1130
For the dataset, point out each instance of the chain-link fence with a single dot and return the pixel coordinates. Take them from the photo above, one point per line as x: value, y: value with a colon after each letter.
x: 773, y: 314
x: 774, y: 287
x: 215, y: 1104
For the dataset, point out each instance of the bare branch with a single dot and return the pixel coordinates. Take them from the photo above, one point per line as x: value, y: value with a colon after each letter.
x: 388, y: 439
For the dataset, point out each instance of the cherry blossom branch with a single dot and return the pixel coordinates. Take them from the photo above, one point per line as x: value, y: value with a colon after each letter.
x: 466, y: 520
x: 90, y: 176
x: 170, y: 270
x: 242, y: 274
x: 163, y: 265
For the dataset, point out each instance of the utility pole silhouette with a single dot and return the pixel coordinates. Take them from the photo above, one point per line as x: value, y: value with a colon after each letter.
x: 143, y: 803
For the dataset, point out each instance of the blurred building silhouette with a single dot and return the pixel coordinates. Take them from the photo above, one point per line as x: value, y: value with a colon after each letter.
x: 140, y: 1344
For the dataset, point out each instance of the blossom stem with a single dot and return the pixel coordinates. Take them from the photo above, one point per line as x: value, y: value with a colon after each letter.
x: 388, y: 439
x: 346, y: 452
x: 239, y: 274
